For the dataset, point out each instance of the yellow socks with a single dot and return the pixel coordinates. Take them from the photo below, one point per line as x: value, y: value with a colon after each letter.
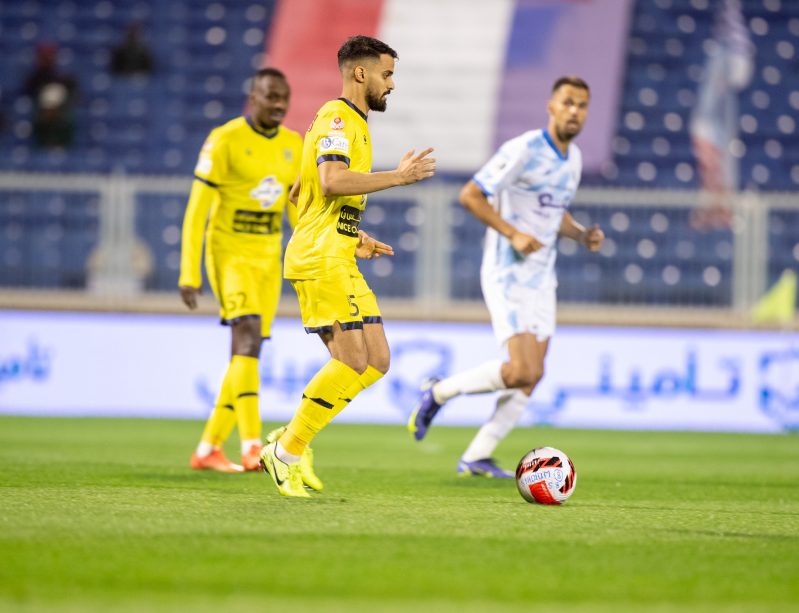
x: 331, y: 389
x: 324, y: 396
x: 223, y: 418
x: 245, y: 383
x: 237, y: 401
x: 370, y: 376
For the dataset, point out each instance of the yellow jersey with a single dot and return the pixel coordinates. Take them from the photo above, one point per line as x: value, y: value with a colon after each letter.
x: 327, y: 226
x: 243, y: 177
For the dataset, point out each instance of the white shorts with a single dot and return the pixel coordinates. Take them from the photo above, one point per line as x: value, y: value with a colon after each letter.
x: 516, y: 309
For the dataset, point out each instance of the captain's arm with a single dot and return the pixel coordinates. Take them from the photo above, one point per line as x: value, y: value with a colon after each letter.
x: 338, y: 180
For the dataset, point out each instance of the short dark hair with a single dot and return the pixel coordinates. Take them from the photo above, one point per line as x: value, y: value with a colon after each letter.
x: 571, y: 80
x: 269, y: 72
x: 360, y: 47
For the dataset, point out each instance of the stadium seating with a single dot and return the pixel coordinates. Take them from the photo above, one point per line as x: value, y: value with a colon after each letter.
x: 664, y: 68
x: 650, y: 256
x: 204, y: 54
x: 47, y: 238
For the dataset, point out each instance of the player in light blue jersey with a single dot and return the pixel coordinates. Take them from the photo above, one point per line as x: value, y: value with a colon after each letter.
x: 523, y: 195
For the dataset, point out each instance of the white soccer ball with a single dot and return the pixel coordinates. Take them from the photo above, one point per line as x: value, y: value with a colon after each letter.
x: 546, y: 475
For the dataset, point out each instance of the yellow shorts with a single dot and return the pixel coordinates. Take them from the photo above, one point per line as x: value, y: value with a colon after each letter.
x: 244, y: 286
x: 342, y: 296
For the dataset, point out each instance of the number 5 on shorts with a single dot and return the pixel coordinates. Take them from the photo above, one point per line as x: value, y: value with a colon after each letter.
x: 354, y: 310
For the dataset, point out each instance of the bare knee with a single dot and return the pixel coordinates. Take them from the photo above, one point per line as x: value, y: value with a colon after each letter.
x: 247, y: 337
x: 521, y: 376
x: 380, y: 363
x: 358, y: 363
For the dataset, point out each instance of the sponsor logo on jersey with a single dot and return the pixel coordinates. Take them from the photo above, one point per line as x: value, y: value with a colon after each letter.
x: 255, y: 222
x: 334, y: 143
x: 547, y: 201
x: 349, y: 219
x: 337, y: 124
x: 268, y: 191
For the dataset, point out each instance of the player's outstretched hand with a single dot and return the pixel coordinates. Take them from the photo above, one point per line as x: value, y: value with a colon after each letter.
x: 524, y: 243
x: 189, y: 295
x: 368, y: 247
x: 593, y: 237
x: 413, y: 168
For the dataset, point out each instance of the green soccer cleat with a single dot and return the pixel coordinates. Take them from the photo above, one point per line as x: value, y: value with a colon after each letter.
x: 309, y: 477
x: 287, y: 477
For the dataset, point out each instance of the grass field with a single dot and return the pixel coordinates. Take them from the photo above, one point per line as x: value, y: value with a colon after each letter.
x: 100, y: 515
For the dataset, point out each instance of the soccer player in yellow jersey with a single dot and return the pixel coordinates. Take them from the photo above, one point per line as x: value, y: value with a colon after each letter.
x: 335, y: 301
x: 242, y: 180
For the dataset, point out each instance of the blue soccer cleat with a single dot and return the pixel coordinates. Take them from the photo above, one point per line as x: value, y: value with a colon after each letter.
x: 425, y: 411
x: 487, y: 467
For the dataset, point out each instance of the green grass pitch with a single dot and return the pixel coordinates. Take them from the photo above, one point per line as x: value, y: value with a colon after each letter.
x: 105, y: 515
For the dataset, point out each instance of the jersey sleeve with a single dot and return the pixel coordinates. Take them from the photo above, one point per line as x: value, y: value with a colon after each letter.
x: 194, y: 222
x: 578, y: 163
x: 503, y: 168
x: 211, y: 166
x: 212, y: 163
x: 334, y: 139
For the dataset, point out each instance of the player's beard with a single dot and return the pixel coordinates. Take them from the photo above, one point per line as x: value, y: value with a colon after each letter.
x: 375, y: 102
x: 567, y: 133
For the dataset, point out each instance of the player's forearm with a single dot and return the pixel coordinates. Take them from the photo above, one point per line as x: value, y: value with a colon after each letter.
x: 345, y: 182
x: 294, y: 193
x: 570, y: 227
x: 473, y: 199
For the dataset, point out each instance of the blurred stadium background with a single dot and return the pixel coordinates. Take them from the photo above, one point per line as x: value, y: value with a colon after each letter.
x: 691, y: 157
x: 686, y: 320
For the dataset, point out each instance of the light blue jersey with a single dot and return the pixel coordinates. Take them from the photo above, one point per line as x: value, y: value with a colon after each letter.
x: 531, y: 185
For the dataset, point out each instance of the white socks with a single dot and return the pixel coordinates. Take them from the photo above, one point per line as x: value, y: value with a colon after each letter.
x: 510, y: 406
x: 204, y: 449
x: 484, y: 378
x: 284, y: 456
x: 248, y: 443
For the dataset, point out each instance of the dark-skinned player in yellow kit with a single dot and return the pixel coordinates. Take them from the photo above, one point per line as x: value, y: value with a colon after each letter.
x: 242, y: 179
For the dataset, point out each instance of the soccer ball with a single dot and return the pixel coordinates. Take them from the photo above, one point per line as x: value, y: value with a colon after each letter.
x: 546, y: 475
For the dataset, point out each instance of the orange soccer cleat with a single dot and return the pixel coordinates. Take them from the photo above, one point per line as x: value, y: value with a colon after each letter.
x: 216, y: 460
x: 252, y: 459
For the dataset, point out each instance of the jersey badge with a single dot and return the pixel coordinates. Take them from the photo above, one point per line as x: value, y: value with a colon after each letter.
x: 337, y: 124
x: 204, y: 165
x: 268, y: 191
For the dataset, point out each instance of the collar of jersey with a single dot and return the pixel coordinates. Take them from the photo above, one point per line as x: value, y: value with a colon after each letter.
x: 551, y: 142
x: 353, y: 107
x: 258, y: 130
